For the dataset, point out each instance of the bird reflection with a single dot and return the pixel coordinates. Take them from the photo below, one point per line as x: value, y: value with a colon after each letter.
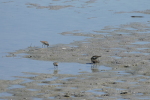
x: 55, y: 71
x: 95, y: 69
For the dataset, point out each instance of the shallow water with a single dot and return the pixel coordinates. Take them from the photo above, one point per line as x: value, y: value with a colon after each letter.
x: 5, y: 94
x: 25, y: 23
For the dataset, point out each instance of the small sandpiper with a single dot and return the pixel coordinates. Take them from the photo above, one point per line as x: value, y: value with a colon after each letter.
x: 44, y: 43
x: 55, y: 64
x: 94, y: 59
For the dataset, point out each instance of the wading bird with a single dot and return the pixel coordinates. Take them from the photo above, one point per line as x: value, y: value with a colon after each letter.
x: 44, y: 43
x: 94, y: 60
x: 55, y: 64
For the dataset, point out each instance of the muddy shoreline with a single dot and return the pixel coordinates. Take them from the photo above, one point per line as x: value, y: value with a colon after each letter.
x: 125, y: 49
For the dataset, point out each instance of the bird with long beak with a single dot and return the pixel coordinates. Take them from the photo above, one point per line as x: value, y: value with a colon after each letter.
x: 44, y: 43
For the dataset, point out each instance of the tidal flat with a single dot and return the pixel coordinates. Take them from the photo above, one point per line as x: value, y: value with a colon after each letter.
x: 125, y: 49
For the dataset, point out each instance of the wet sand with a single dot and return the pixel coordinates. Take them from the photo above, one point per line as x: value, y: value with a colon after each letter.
x: 124, y: 48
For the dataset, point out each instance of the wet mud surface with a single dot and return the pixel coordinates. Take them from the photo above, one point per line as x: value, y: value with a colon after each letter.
x: 105, y: 85
x: 124, y: 48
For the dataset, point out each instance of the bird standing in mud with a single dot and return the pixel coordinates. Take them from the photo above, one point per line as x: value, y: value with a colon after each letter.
x: 55, y: 64
x: 94, y: 59
x: 44, y: 43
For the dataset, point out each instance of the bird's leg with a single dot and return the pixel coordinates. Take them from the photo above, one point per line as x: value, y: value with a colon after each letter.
x: 56, y: 67
x: 93, y: 65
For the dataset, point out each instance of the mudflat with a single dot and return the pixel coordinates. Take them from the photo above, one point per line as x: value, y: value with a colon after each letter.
x: 125, y: 49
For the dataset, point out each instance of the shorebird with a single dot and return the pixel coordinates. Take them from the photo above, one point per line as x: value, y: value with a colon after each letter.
x: 95, y: 60
x: 44, y: 43
x: 55, y: 64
